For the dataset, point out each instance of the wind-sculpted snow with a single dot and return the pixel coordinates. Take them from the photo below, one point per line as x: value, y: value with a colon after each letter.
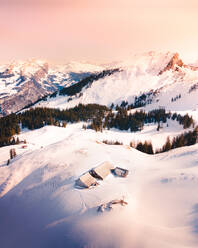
x: 40, y: 206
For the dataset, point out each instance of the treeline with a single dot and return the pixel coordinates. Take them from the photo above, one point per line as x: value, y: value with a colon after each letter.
x: 186, y: 121
x: 123, y: 120
x: 9, y: 126
x: 143, y: 99
x: 40, y: 117
x: 97, y: 116
x: 185, y: 139
x: 76, y: 88
x: 145, y: 147
x: 139, y: 101
x: 107, y: 142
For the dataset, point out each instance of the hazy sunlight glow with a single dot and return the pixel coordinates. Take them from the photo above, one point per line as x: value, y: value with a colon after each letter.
x: 97, y: 31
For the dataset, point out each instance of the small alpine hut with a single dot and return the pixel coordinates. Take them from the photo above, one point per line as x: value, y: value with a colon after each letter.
x: 102, y: 170
x: 120, y: 172
x: 86, y: 181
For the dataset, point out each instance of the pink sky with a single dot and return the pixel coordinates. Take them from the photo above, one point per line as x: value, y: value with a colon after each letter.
x: 96, y: 30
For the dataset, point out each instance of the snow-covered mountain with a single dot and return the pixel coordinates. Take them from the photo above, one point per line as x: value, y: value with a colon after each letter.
x: 24, y: 82
x: 161, y: 79
x: 40, y: 205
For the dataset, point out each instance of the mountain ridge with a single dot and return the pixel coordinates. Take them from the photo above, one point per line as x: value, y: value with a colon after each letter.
x: 23, y: 83
x: 146, y: 77
x: 142, y: 74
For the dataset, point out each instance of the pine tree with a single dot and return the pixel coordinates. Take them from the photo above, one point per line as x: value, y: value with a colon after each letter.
x: 167, y: 145
x: 150, y: 148
x: 158, y: 126
x: 17, y: 141
x: 139, y: 146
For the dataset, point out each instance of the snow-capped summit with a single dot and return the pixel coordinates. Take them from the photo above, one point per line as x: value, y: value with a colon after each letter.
x: 151, y: 62
x: 159, y: 77
x: 151, y: 74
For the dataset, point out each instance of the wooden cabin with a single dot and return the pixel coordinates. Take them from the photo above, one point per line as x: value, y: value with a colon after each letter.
x: 86, y: 181
x: 102, y: 170
x: 120, y: 172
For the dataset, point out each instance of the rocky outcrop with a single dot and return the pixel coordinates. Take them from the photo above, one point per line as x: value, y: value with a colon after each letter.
x: 173, y: 64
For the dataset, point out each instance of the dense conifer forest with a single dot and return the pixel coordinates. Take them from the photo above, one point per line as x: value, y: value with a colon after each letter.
x: 96, y: 116
x: 40, y: 117
x: 124, y: 120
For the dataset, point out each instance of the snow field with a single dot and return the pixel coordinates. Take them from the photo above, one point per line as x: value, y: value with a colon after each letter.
x: 40, y: 207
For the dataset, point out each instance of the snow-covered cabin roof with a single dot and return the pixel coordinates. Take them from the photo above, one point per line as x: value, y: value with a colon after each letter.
x: 120, y: 172
x: 103, y: 170
x: 86, y: 181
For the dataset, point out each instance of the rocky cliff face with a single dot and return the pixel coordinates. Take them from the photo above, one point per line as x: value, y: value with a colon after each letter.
x: 173, y: 64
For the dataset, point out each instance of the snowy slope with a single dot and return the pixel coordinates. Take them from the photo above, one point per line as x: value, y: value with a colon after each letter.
x: 142, y: 74
x: 162, y: 75
x: 24, y: 82
x: 40, y: 207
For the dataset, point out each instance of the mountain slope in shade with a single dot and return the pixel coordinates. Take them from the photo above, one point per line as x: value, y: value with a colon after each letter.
x: 40, y: 207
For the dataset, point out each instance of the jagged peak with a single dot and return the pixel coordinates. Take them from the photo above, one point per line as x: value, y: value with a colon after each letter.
x: 174, y: 63
x: 151, y: 62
